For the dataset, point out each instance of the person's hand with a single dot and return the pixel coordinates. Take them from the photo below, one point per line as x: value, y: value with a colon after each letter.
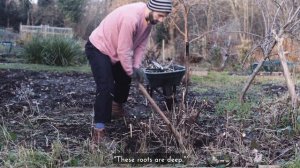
x: 138, y: 75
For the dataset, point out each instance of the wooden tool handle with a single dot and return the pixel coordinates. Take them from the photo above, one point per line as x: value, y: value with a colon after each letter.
x: 158, y: 110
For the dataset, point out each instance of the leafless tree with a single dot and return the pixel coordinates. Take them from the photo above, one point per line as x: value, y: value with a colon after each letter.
x: 190, y: 29
x: 183, y: 7
x: 278, y: 24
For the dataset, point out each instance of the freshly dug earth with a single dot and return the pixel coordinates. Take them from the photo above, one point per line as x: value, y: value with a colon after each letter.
x: 38, y: 108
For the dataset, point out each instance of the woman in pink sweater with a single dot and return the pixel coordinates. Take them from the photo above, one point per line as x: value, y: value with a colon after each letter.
x: 115, y: 50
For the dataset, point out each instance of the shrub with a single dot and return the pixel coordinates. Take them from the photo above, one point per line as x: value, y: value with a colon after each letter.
x: 33, y: 51
x: 53, y: 51
x: 216, y: 56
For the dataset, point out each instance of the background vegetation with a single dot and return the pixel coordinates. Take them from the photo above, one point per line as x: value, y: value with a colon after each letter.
x: 53, y: 51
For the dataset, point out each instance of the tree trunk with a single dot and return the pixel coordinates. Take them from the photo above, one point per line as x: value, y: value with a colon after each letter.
x: 250, y: 79
x: 187, y: 50
x: 267, y: 47
x: 28, y: 17
x: 286, y: 72
x: 235, y: 12
x: 246, y: 18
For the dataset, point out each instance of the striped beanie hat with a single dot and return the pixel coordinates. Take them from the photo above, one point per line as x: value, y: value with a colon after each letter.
x: 160, y: 5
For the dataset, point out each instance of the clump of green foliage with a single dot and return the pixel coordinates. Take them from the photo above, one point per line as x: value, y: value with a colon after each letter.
x: 57, y: 51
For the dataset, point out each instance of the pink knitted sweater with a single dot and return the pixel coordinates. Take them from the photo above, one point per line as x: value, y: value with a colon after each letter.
x: 123, y: 35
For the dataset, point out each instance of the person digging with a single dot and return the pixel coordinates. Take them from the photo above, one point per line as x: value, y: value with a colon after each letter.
x: 115, y: 50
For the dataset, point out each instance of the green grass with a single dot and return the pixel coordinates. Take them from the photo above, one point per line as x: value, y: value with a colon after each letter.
x: 13, y: 59
x: 38, y: 67
x: 225, y: 90
x: 293, y: 164
x: 218, y: 79
x: 241, y: 110
x: 233, y: 83
x: 218, y: 82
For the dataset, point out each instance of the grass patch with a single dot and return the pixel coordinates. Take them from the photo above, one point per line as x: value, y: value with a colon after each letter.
x: 233, y: 106
x: 293, y: 164
x: 233, y: 83
x: 225, y: 89
x: 38, y: 67
x: 218, y: 79
x: 218, y: 85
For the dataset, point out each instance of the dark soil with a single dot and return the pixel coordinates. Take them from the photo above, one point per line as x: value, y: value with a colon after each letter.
x: 41, y: 107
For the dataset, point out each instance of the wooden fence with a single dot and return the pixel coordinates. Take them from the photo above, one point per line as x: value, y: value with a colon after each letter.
x: 44, y: 30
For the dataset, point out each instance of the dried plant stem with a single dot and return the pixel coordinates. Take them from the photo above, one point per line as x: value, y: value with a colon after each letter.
x: 157, y: 109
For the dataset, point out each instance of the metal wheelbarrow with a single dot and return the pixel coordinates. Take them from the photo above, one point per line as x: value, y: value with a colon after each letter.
x: 166, y: 79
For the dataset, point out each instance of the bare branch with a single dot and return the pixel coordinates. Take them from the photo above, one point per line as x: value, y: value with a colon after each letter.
x: 290, y: 20
x: 249, y: 54
x: 176, y: 133
x: 276, y: 3
x: 295, y: 14
x: 250, y: 79
x: 256, y: 35
x: 202, y: 35
x: 277, y: 12
x: 280, y: 7
x: 265, y: 20
x: 211, y: 31
x: 291, y: 11
x: 180, y: 31
x: 295, y: 24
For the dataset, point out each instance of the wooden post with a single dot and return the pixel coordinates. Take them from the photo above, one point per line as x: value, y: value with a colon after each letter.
x: 21, y: 32
x: 163, y: 51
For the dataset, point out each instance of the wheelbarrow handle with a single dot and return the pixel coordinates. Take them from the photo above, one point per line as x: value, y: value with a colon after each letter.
x: 152, y: 102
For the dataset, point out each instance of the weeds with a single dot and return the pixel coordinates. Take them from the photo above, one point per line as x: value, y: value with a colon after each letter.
x: 233, y: 106
x: 59, y: 156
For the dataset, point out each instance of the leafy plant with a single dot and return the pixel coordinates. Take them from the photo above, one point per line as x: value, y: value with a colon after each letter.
x: 53, y: 51
x: 33, y: 51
